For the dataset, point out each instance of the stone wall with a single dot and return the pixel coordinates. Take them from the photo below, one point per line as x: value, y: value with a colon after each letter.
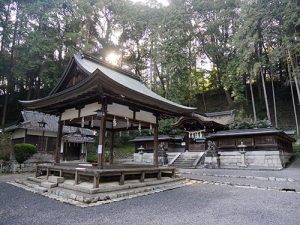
x: 147, y: 158
x: 264, y: 159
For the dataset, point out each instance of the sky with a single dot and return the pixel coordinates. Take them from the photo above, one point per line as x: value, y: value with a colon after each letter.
x: 163, y: 2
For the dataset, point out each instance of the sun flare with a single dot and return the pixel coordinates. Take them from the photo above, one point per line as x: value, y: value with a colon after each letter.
x: 113, y: 58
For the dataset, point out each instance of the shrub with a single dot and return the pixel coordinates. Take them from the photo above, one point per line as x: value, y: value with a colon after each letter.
x: 4, y: 157
x: 24, y: 152
x: 92, y: 158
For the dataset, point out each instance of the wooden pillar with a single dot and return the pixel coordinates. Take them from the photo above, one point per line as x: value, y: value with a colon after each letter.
x: 187, y: 141
x: 111, y: 148
x: 25, y: 136
x: 101, y: 145
x: 155, y: 146
x: 58, y: 140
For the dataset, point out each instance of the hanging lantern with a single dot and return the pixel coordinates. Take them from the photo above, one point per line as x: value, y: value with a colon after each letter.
x: 114, y: 122
x: 120, y: 133
x: 82, y: 122
x: 150, y: 129
x: 92, y: 122
x: 105, y: 133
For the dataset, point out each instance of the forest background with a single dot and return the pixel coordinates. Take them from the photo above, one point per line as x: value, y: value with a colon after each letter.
x: 212, y: 54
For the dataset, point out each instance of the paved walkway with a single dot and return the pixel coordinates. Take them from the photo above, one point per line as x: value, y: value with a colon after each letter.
x: 286, y: 179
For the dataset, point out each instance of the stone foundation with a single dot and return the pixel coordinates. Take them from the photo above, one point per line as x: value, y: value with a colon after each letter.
x: 147, y: 158
x: 265, y: 159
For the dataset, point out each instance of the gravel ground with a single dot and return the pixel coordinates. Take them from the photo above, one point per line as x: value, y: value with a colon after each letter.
x: 195, y: 204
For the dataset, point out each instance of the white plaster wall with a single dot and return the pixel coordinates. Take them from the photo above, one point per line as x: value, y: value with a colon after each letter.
x: 35, y: 132
x: 119, y: 110
x: 50, y: 134
x: 20, y: 133
x: 69, y: 114
x: 145, y: 116
x: 90, y: 109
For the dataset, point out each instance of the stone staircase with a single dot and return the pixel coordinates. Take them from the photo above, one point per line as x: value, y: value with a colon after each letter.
x: 41, y: 185
x: 187, y: 160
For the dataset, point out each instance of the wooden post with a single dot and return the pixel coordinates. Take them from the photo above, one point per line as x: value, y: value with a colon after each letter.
x: 58, y: 140
x: 102, y: 138
x: 187, y: 141
x: 159, y: 175
x: 111, y: 148
x: 76, y: 177
x: 155, y: 146
x: 122, y: 179
x: 96, y: 181
x: 142, y: 179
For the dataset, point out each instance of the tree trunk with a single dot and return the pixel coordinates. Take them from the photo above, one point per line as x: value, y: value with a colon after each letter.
x: 228, y: 97
x: 252, y: 100
x: 274, y: 99
x: 293, y: 98
x: 291, y: 61
x: 265, y: 95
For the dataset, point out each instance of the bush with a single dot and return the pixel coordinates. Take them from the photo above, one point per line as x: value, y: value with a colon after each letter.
x: 92, y: 158
x: 24, y: 152
x: 4, y: 157
x: 248, y: 124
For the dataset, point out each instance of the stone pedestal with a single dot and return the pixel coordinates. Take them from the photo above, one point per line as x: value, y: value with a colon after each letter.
x: 212, y: 162
x: 243, y: 159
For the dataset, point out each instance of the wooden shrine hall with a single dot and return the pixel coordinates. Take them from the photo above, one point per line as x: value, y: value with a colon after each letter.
x: 94, y: 94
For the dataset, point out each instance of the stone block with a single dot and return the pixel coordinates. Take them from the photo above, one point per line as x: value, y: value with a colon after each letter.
x: 56, y: 179
x: 47, y: 184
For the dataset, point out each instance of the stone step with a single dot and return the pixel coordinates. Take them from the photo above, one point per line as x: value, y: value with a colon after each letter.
x: 56, y: 179
x: 34, y: 179
x: 48, y: 184
x: 36, y: 188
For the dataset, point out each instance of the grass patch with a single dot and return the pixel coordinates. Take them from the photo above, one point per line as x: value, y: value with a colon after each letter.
x: 125, y: 149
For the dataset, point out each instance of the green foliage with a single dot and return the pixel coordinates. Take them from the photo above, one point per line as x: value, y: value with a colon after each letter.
x: 24, y: 152
x: 129, y: 148
x: 5, y: 145
x: 248, y: 124
x: 4, y: 157
x: 165, y: 127
x: 92, y: 159
x: 165, y: 46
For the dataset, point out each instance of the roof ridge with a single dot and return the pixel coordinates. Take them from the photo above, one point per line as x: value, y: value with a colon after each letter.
x: 109, y: 65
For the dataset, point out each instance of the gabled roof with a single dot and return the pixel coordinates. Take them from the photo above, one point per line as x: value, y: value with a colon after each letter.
x: 160, y: 138
x: 216, y: 120
x: 250, y: 132
x: 107, y: 80
x: 30, y: 120
x: 221, y: 113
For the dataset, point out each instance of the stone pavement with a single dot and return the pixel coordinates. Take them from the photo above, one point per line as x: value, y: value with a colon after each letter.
x: 286, y: 179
